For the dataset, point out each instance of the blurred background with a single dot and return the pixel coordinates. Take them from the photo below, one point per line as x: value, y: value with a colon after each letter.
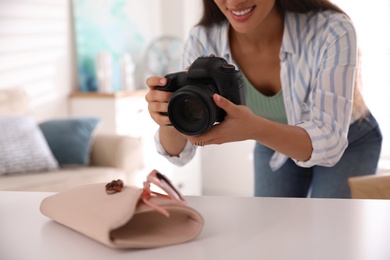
x: 55, y: 48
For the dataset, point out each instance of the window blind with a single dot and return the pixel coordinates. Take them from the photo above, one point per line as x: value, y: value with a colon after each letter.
x: 36, y: 53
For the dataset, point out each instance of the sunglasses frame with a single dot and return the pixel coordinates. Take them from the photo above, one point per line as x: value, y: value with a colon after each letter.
x: 161, y: 181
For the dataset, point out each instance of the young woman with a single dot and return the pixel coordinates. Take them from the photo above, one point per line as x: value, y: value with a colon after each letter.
x: 303, y: 107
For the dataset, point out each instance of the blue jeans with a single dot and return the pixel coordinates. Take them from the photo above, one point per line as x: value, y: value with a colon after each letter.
x: 360, y: 158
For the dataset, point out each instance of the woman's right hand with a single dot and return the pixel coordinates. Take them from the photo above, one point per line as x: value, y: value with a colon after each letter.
x: 172, y: 141
x: 158, y: 100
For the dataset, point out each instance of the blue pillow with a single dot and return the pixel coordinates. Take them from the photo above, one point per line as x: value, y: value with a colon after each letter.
x: 70, y: 139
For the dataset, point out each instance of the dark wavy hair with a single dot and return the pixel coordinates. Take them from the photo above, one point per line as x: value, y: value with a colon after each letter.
x: 212, y: 14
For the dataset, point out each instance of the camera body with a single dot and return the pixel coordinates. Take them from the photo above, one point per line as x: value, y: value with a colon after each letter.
x: 191, y: 108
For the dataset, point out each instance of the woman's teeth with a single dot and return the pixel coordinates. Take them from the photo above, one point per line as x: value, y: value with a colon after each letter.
x: 243, y: 12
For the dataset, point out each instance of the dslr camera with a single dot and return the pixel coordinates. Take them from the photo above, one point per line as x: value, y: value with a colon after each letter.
x: 191, y: 108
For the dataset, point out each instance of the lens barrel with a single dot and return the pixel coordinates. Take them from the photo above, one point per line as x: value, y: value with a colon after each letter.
x: 192, y: 110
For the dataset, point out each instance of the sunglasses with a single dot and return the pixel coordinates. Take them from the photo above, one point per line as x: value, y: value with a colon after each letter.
x: 161, y: 181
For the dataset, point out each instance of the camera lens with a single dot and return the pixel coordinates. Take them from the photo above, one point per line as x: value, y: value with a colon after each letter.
x: 192, y: 110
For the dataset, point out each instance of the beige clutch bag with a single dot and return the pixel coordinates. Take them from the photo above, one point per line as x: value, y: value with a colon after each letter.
x: 126, y: 217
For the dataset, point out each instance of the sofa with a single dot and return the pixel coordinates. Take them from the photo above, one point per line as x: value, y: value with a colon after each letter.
x: 60, y: 153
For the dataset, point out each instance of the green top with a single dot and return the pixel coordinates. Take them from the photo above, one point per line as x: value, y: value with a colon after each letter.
x: 270, y: 107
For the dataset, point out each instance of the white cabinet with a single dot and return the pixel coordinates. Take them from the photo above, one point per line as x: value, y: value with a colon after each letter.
x: 126, y: 114
x: 120, y: 112
x: 227, y: 169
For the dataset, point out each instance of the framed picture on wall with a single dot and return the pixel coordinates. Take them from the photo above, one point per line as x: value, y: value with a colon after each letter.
x: 110, y: 38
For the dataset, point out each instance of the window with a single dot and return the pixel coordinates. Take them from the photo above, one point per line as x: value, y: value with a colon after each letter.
x: 372, y: 22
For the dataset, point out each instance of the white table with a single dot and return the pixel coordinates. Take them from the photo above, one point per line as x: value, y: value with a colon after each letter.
x: 236, y: 228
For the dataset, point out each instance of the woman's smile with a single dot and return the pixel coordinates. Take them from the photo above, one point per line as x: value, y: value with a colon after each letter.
x: 250, y: 16
x: 242, y: 14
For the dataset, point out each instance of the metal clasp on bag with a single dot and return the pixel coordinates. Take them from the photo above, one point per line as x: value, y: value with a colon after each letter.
x: 114, y: 186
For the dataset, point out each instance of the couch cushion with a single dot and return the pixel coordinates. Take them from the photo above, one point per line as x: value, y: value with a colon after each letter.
x: 70, y: 139
x: 23, y: 147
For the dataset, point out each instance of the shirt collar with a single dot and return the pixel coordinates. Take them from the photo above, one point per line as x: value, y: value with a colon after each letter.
x: 225, y: 35
x: 288, y: 43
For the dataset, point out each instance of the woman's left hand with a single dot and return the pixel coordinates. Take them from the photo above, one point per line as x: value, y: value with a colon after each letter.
x: 236, y: 126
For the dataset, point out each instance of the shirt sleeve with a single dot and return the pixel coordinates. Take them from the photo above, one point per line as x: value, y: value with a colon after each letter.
x: 184, y: 157
x: 331, y: 105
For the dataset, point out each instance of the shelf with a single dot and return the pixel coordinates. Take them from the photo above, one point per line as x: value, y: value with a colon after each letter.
x: 111, y: 95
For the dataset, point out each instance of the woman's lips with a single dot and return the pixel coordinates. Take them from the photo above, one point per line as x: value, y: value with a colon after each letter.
x: 242, y: 14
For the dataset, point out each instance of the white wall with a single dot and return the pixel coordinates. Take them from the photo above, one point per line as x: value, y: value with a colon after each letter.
x: 175, y: 17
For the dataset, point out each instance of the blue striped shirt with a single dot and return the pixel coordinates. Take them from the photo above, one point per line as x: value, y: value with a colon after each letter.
x: 318, y: 59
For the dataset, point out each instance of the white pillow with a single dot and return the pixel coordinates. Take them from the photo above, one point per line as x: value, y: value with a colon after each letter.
x: 23, y: 147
